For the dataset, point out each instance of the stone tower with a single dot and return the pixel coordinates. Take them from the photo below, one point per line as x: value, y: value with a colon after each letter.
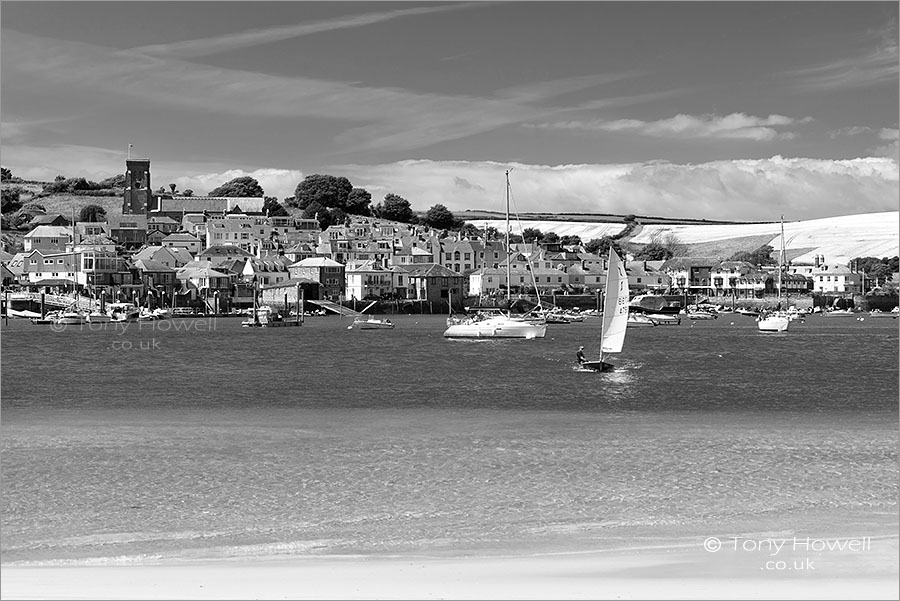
x: 138, y: 197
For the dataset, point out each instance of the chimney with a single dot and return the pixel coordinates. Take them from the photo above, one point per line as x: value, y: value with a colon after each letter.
x: 816, y: 262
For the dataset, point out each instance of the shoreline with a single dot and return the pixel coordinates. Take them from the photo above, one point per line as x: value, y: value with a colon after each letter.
x: 670, y: 572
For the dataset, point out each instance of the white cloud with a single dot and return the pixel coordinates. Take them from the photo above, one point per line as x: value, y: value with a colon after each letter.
x: 733, y: 126
x: 96, y: 164
x: 742, y: 190
x: 891, y: 149
x: 848, y: 131
x: 280, y: 183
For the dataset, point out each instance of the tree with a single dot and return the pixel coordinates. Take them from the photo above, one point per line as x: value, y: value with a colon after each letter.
x: 34, y: 208
x: 11, y: 200
x: 92, y: 214
x: 760, y: 256
x: 492, y: 233
x: 550, y: 238
x: 570, y: 240
x: 273, y: 208
x: 880, y: 270
x: 116, y: 181
x: 173, y: 187
x: 326, y: 190
x: 468, y: 230
x: 239, y: 187
x: 188, y: 192
x: 395, y: 208
x: 358, y: 202
x: 323, y: 214
x: 653, y: 251
x: 531, y: 234
x: 5, y: 174
x: 600, y: 246
x: 439, y: 217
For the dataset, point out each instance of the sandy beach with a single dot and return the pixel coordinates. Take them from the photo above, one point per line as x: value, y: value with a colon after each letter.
x: 660, y: 573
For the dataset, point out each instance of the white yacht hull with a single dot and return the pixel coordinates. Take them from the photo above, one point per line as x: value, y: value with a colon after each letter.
x: 497, y: 327
x: 774, y: 323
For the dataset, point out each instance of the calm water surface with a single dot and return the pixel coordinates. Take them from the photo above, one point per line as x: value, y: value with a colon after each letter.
x: 197, y: 438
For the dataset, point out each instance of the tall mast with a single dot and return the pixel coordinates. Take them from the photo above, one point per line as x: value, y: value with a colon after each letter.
x: 781, y: 260
x: 508, y: 255
x: 74, y: 262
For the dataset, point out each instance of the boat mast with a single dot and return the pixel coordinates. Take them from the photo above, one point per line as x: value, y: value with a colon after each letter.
x: 508, y: 276
x: 781, y: 262
x: 74, y: 263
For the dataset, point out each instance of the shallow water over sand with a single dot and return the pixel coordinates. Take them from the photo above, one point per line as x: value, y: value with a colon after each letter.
x: 217, y: 441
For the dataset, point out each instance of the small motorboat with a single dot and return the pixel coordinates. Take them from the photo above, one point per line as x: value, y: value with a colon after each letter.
x: 373, y: 323
x: 71, y: 317
x: 662, y: 319
x: 640, y: 319
x: 700, y: 315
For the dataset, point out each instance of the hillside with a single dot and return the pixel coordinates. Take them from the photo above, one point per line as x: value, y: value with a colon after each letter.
x: 839, y: 239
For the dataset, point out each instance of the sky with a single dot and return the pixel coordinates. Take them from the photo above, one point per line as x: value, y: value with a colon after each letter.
x: 739, y: 111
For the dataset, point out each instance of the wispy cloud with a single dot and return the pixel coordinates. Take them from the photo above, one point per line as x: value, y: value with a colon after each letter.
x: 876, y: 66
x: 733, y: 126
x: 382, y: 118
x: 853, y: 130
x: 255, y: 37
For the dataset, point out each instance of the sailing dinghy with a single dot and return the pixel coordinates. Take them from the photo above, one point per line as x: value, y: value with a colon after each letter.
x: 615, y: 313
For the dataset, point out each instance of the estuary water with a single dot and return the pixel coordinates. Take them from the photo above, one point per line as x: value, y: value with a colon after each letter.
x: 197, y: 439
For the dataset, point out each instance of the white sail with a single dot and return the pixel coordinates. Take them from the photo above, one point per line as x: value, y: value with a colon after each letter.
x: 615, y: 306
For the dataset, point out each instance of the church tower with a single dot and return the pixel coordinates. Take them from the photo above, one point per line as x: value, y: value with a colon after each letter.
x: 138, y: 194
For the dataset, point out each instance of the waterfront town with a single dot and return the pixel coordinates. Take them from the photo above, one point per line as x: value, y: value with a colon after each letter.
x: 220, y: 254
